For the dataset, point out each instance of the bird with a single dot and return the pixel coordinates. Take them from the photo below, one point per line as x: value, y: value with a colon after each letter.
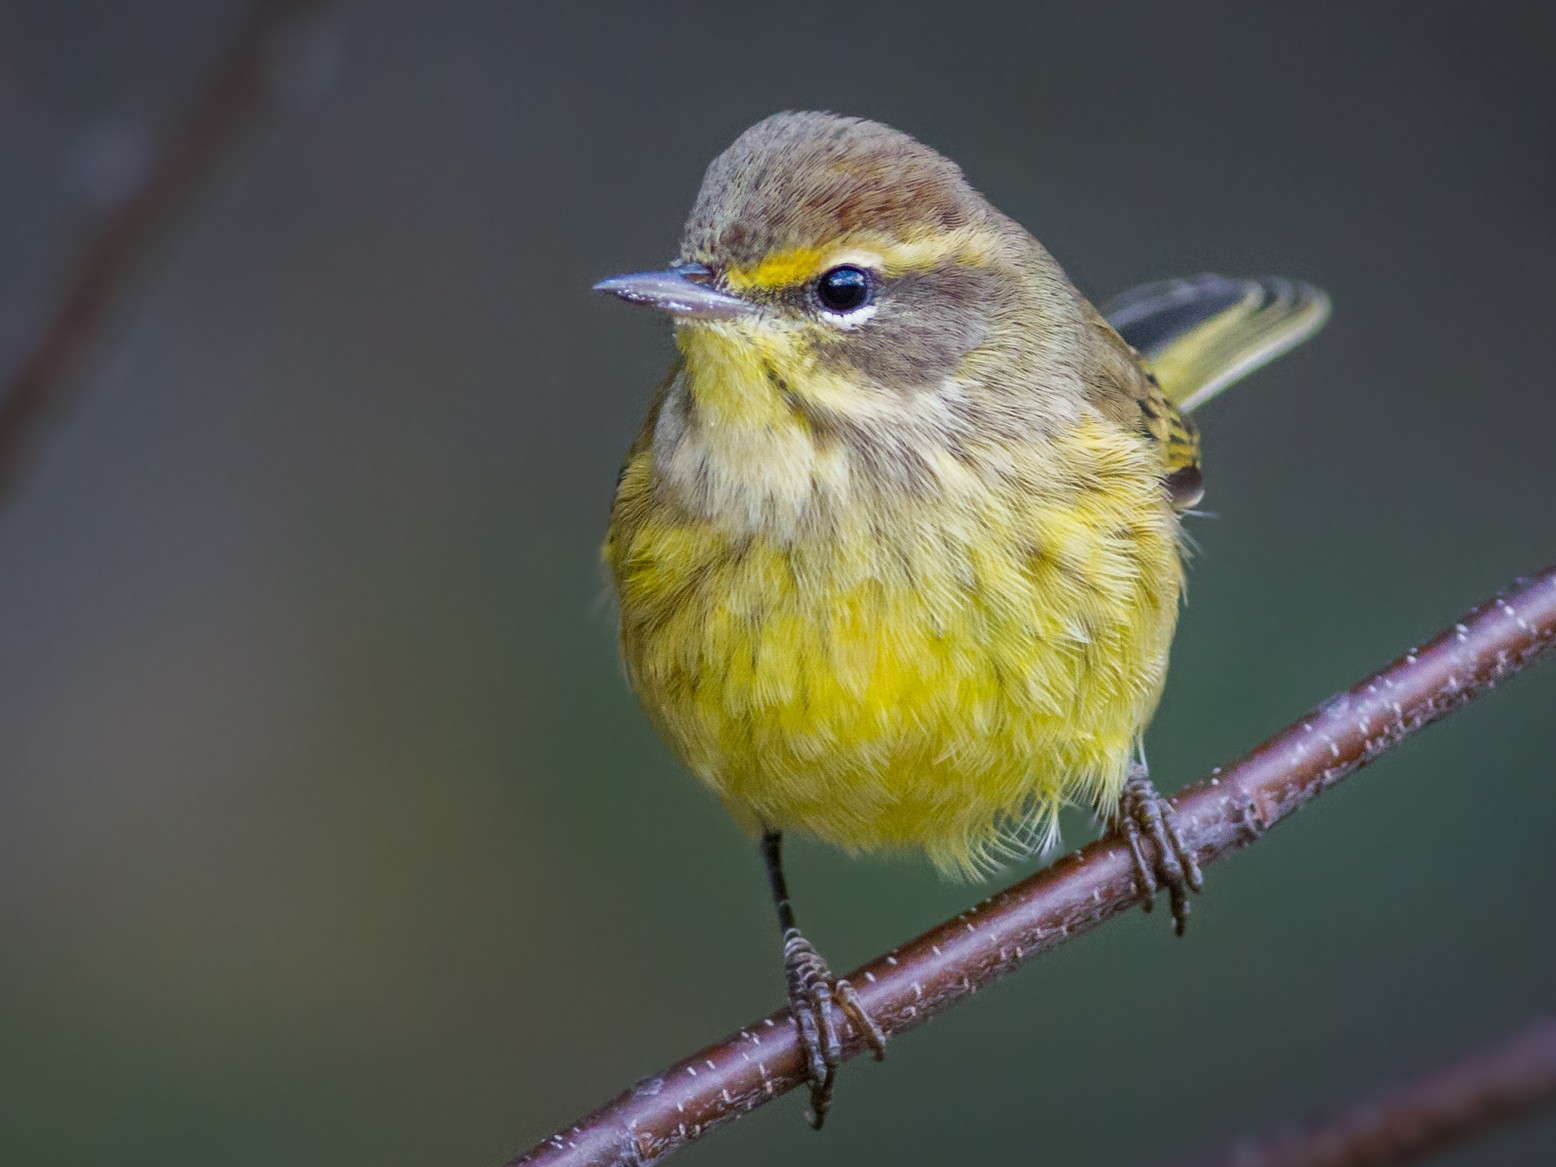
x: 898, y: 554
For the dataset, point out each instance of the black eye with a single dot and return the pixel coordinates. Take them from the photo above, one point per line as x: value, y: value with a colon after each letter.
x: 844, y: 289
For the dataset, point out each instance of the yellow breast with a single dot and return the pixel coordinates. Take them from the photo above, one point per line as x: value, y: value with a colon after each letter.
x: 941, y: 671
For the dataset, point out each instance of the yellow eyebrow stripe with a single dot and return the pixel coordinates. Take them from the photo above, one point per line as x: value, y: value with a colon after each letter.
x: 798, y: 265
x: 781, y: 269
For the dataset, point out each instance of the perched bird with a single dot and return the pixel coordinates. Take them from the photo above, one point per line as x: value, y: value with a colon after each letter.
x: 897, y: 552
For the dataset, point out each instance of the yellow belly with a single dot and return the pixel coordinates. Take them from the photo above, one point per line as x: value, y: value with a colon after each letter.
x: 945, y: 680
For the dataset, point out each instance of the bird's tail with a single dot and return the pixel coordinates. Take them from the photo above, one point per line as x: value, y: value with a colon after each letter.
x: 1201, y: 334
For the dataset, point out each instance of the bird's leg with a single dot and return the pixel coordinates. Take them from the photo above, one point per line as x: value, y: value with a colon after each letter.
x: 815, y: 995
x: 1143, y: 813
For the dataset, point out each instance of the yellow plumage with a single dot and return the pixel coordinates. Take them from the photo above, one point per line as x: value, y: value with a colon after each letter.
x: 897, y: 550
x: 940, y: 671
x: 906, y: 575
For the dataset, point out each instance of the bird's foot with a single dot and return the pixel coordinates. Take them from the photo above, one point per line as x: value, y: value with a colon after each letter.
x: 816, y: 998
x: 1142, y: 812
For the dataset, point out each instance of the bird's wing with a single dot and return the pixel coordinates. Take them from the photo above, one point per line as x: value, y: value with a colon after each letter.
x: 1201, y: 334
x: 1178, y: 437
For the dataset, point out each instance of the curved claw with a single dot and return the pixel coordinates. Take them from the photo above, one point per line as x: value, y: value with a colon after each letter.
x: 1142, y: 811
x: 815, y: 1000
x: 810, y: 1040
x: 873, y: 1035
x: 826, y: 1022
x: 1145, y: 878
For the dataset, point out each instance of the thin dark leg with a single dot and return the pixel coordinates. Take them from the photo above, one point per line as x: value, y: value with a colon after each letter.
x: 813, y: 992
x: 772, y: 843
x: 1143, y: 813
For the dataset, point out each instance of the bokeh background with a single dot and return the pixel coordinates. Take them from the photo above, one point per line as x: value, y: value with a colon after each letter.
x: 329, y: 832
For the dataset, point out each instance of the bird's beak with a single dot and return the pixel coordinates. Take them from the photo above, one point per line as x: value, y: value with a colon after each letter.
x: 685, y: 291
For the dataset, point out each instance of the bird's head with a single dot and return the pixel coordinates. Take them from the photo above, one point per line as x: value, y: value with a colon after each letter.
x: 838, y: 268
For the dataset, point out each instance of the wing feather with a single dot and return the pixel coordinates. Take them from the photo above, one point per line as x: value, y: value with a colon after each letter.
x: 1202, y: 334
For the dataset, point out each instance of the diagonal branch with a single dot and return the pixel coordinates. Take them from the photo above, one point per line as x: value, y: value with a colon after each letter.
x: 1450, y: 1104
x: 1230, y: 809
x: 252, y: 76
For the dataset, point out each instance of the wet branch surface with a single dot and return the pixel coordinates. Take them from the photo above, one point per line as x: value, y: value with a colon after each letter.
x: 1233, y: 807
x: 251, y: 77
x: 1450, y: 1104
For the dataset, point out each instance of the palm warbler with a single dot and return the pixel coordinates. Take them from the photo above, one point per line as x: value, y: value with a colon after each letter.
x: 897, y: 552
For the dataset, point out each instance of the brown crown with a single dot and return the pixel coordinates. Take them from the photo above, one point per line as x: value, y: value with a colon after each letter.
x: 806, y: 179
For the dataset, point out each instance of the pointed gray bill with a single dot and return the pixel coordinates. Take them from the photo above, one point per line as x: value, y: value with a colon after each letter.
x: 681, y: 291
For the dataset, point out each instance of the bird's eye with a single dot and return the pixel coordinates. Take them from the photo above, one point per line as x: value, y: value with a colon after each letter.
x: 845, y: 288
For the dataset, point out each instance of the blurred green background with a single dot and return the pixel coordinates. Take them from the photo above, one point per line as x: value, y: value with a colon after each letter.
x: 329, y: 832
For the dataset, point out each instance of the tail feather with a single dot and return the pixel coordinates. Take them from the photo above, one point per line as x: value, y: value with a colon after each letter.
x: 1201, y: 334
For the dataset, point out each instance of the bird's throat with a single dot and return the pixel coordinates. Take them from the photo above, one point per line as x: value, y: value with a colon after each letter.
x: 737, y: 376
x: 742, y: 453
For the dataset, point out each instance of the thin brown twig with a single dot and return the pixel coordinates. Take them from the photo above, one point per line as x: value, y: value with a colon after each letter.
x: 1452, y: 1103
x: 248, y: 79
x: 1230, y: 809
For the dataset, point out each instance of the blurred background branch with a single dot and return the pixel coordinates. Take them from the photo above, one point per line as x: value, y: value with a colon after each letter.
x: 277, y: 57
x: 1448, y: 1105
x: 1230, y: 809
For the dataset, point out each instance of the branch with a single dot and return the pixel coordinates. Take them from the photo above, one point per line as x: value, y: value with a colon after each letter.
x: 1230, y: 809
x: 254, y: 73
x: 1446, y: 1106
